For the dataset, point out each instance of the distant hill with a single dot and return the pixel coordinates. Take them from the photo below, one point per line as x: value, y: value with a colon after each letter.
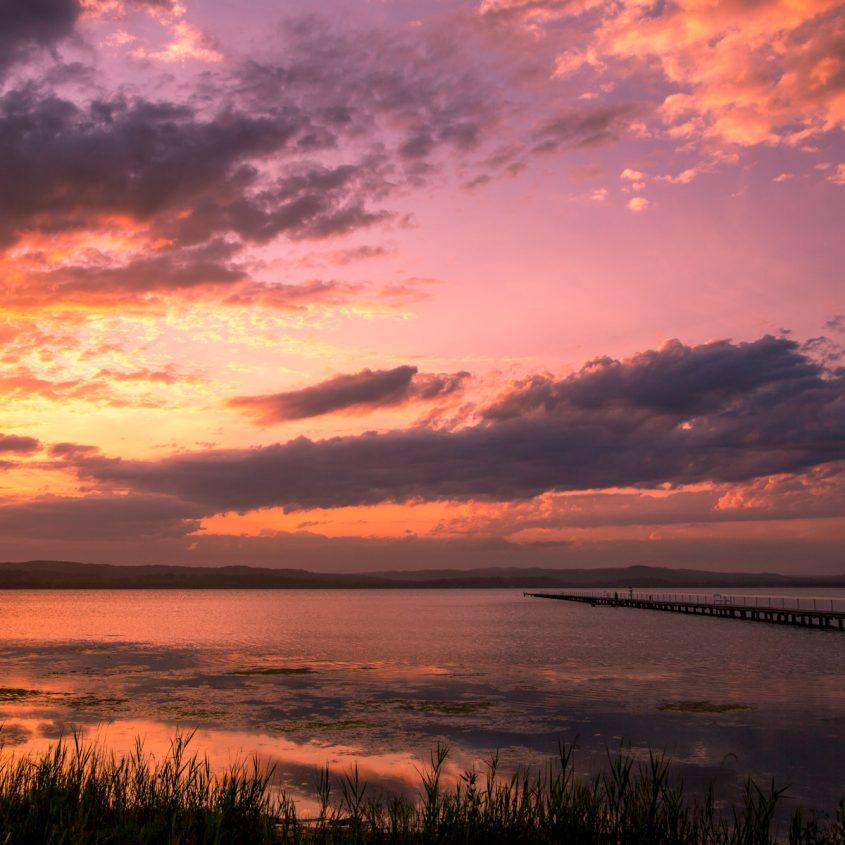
x: 56, y: 574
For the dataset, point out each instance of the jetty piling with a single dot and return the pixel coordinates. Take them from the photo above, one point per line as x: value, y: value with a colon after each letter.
x: 721, y: 607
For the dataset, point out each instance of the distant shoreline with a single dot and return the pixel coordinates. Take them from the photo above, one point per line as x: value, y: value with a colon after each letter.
x: 70, y: 575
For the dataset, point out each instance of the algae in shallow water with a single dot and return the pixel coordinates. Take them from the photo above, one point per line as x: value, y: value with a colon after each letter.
x: 195, y: 712
x: 318, y: 726
x: 91, y: 701
x: 276, y: 670
x: 449, y: 708
x: 17, y: 693
x: 701, y: 707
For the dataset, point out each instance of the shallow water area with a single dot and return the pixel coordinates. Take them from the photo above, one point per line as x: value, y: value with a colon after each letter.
x: 302, y: 678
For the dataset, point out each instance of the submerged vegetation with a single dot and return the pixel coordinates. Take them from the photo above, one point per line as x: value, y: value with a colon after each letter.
x: 701, y: 707
x: 77, y: 793
x: 446, y: 708
x: 276, y: 670
x: 17, y: 694
x: 318, y: 726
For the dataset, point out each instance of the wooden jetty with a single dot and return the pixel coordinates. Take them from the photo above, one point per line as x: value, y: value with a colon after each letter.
x: 827, y: 620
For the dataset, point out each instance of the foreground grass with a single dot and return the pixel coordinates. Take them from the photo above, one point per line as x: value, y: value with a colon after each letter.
x: 77, y: 793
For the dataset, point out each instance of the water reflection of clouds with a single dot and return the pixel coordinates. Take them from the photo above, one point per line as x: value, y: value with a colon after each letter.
x: 296, y: 764
x: 528, y: 675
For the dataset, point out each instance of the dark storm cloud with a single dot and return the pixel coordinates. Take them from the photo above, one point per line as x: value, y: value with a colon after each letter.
x: 246, y: 168
x: 159, y: 270
x: 307, y: 141
x: 18, y: 444
x: 294, y: 297
x: 310, y: 201
x: 675, y: 380
x: 67, y: 449
x: 190, y: 180
x: 196, y: 176
x: 836, y: 323
x: 361, y: 391
x: 586, y: 127
x: 743, y: 411
x: 70, y: 72
x: 100, y: 517
x: 30, y: 24
x: 417, y: 85
x: 417, y: 96
x: 62, y: 166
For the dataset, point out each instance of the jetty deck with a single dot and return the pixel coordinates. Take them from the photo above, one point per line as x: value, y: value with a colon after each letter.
x: 722, y: 608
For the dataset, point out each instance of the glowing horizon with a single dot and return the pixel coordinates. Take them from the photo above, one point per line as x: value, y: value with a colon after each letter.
x: 362, y: 286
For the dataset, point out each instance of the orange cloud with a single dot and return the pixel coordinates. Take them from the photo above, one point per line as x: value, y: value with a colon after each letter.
x: 187, y: 42
x: 741, y: 73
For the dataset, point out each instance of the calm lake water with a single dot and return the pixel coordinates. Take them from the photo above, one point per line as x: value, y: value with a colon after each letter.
x: 305, y: 678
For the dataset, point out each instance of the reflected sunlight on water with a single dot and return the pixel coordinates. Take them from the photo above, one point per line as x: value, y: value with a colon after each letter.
x: 305, y: 678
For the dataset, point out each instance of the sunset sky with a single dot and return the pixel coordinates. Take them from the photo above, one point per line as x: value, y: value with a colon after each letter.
x: 392, y: 284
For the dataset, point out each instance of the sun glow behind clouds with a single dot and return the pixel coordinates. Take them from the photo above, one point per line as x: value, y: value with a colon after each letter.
x: 463, y: 238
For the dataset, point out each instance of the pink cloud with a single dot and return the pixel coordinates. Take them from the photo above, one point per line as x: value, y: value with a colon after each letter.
x: 638, y: 204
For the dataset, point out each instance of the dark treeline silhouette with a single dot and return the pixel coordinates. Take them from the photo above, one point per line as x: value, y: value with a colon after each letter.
x: 48, y: 574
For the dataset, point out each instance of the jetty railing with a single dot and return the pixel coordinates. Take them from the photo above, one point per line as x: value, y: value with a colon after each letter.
x: 780, y: 610
x: 833, y: 604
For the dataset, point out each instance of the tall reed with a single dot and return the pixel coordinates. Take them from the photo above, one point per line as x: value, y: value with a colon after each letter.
x: 79, y: 793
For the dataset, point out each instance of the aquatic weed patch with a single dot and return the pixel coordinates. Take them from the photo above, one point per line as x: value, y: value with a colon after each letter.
x: 18, y: 694
x: 702, y: 707
x: 89, y: 701
x: 326, y: 726
x: 276, y: 670
x: 190, y: 712
x: 446, y: 708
